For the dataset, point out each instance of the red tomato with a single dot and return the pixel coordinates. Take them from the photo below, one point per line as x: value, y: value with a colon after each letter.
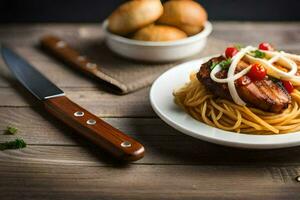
x: 257, y: 72
x: 265, y: 46
x: 231, y: 51
x: 288, y: 86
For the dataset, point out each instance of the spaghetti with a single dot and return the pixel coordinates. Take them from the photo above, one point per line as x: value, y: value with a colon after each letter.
x: 227, y: 115
x: 262, y: 65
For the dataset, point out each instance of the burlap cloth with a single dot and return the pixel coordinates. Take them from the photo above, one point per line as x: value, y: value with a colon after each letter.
x: 129, y: 75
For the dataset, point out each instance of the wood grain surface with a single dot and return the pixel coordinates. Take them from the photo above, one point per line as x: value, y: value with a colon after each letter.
x: 60, y: 165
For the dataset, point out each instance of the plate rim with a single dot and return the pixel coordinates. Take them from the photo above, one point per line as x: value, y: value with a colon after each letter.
x: 263, y: 141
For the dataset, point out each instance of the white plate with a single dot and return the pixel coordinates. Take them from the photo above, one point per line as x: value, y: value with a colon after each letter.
x: 163, y: 104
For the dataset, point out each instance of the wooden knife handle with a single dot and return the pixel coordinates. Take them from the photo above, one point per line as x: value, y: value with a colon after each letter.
x: 101, y: 133
x: 61, y: 50
x: 64, y: 52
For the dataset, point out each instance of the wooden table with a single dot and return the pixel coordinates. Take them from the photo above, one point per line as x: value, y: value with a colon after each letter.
x: 57, y: 164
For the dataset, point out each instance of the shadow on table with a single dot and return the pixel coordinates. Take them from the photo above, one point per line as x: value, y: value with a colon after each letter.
x: 165, y: 145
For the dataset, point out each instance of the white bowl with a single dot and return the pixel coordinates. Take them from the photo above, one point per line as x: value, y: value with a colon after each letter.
x: 157, y: 51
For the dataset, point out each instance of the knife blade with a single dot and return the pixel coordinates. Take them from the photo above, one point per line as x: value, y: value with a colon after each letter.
x: 55, y: 101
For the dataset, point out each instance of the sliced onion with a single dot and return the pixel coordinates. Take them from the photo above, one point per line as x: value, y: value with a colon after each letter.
x: 286, y: 59
x: 226, y: 80
x: 231, y: 86
x: 282, y: 59
x: 291, y: 56
x: 274, y: 59
x: 274, y: 71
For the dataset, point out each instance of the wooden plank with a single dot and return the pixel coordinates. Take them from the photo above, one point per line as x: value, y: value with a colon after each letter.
x: 190, y: 153
x: 50, y: 140
x: 98, y: 102
x: 47, y: 129
x: 57, y: 164
x: 150, y: 182
x: 235, y: 31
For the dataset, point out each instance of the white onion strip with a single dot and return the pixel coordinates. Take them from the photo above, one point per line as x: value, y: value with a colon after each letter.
x: 231, y: 77
x: 291, y: 56
x: 232, y: 90
x: 274, y: 71
x: 285, y: 59
x: 217, y: 69
x: 282, y: 59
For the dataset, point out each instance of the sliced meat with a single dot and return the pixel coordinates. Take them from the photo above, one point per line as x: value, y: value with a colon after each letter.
x: 217, y: 89
x: 262, y: 94
x: 266, y: 95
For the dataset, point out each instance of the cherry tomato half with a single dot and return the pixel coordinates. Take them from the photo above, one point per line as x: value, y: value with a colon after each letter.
x: 265, y: 46
x: 288, y: 86
x: 231, y: 51
x: 257, y: 72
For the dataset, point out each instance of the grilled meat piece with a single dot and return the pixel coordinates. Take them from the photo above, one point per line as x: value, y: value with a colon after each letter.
x: 263, y: 94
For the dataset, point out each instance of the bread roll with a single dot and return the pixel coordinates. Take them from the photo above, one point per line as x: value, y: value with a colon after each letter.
x: 188, y: 16
x: 157, y: 33
x: 134, y: 15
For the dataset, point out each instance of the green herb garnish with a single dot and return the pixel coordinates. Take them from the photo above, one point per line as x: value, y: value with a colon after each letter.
x: 258, y: 54
x: 213, y: 65
x: 11, y: 130
x: 275, y: 80
x: 225, y: 63
x: 15, y: 144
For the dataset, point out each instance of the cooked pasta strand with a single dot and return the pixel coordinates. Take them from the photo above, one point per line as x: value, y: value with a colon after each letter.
x: 226, y: 115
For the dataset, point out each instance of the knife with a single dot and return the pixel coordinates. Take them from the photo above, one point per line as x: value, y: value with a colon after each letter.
x: 55, y: 102
x: 61, y: 50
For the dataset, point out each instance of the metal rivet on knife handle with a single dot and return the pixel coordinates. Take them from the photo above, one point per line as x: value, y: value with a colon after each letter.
x: 91, y: 122
x: 78, y: 114
x: 126, y: 144
x: 61, y: 44
x: 81, y: 58
x: 91, y: 65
